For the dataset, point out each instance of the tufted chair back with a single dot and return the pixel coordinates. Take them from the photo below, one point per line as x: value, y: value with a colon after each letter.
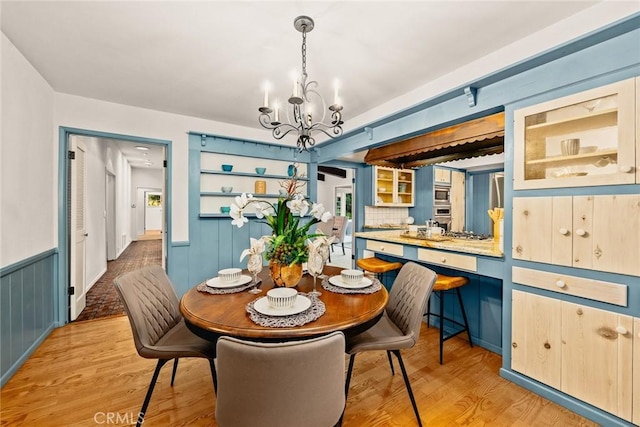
x: 151, y: 304
x: 408, y: 298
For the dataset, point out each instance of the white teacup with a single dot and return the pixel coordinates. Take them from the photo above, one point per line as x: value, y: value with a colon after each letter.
x: 436, y: 231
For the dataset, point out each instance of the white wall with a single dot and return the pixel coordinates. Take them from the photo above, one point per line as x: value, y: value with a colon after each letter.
x: 84, y: 113
x: 146, y: 179
x: 96, y: 250
x: 28, y: 173
x: 326, y: 189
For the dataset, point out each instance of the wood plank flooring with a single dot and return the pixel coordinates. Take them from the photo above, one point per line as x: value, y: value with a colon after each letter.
x: 88, y: 371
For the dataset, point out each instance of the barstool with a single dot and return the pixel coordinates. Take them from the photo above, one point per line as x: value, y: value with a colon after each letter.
x: 442, y: 285
x: 377, y: 266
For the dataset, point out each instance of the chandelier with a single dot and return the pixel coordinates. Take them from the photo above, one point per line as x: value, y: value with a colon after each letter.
x: 305, y: 104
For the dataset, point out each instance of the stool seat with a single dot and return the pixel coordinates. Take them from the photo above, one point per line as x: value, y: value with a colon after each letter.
x: 440, y: 287
x: 444, y: 283
x: 377, y: 265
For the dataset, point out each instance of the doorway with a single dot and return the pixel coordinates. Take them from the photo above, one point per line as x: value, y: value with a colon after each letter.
x: 108, y: 216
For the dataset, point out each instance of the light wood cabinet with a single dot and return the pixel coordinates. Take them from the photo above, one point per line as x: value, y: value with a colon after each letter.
x: 393, y: 187
x: 592, y: 232
x: 582, y: 351
x: 536, y: 337
x: 602, y: 120
x: 441, y: 176
x: 457, y: 201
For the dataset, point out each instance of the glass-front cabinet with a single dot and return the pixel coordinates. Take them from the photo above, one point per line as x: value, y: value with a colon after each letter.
x: 393, y: 187
x: 579, y: 140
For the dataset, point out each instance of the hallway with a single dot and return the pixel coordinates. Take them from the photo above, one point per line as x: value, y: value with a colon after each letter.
x: 102, y: 299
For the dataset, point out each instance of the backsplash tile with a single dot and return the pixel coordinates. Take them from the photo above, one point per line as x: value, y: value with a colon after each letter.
x: 374, y: 216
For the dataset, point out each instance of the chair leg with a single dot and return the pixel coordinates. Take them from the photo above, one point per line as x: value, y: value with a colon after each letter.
x: 175, y: 368
x: 147, y: 398
x: 343, y: 252
x: 352, y: 359
x: 441, y: 295
x: 214, y: 376
x: 464, y: 316
x: 393, y: 372
x: 408, y: 385
x: 428, y: 313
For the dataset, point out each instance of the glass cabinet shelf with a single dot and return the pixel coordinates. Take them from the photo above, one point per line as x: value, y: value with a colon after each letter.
x: 583, y: 139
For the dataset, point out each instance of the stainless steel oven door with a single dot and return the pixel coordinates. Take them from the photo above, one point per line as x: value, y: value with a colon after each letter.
x: 443, y: 210
x: 441, y: 195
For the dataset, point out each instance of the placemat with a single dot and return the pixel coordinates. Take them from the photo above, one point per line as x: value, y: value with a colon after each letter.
x: 314, y: 312
x: 371, y: 289
x: 202, y: 287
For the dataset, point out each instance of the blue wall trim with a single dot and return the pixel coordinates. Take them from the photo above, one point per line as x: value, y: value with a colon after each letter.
x: 27, y: 309
x: 179, y: 244
x: 26, y: 262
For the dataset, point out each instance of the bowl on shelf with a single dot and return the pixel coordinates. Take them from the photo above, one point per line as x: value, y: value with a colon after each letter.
x: 226, y: 189
x: 261, y: 171
x: 570, y: 147
x: 225, y: 209
x: 227, y: 168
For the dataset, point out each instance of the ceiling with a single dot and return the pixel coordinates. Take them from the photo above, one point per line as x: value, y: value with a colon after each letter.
x: 209, y: 59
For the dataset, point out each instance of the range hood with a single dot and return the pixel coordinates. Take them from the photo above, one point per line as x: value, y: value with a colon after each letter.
x: 474, y: 138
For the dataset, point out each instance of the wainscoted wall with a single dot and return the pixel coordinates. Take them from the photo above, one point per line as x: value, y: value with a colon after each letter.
x: 27, y: 304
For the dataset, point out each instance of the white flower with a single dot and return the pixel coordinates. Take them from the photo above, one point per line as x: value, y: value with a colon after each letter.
x: 326, y: 216
x: 320, y: 213
x: 263, y: 209
x: 243, y: 200
x: 257, y: 247
x: 238, y: 215
x: 298, y: 205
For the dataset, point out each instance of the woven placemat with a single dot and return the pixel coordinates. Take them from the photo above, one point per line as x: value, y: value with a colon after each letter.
x: 203, y: 287
x: 371, y: 289
x: 314, y: 312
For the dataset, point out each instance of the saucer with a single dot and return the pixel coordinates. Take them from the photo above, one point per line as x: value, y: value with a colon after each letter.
x: 337, y: 281
x: 262, y: 306
x: 219, y: 284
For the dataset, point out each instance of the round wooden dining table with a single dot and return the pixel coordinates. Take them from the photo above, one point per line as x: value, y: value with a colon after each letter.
x: 213, y: 315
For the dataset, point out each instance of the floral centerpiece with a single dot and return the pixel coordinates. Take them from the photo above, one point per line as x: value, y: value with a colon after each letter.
x: 286, y: 247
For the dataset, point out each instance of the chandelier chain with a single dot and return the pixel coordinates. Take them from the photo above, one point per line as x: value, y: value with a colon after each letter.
x: 304, y: 51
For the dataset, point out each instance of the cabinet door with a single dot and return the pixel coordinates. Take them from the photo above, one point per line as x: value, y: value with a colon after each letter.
x: 404, y: 187
x: 532, y: 228
x: 597, y: 353
x: 384, y: 184
x: 636, y: 371
x: 536, y: 334
x: 615, y: 242
x: 578, y: 140
x: 442, y: 176
x: 562, y: 231
x: 457, y: 200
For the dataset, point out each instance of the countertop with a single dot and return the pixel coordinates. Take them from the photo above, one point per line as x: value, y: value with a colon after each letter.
x: 387, y: 226
x: 478, y: 247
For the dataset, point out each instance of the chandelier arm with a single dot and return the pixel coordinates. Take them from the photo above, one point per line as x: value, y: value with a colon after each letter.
x: 330, y: 131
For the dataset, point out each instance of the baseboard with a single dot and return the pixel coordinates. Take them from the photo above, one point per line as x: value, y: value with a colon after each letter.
x: 18, y: 363
x: 579, y: 407
x: 93, y: 282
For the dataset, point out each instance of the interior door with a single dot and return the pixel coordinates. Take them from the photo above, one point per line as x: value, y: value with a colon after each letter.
x: 153, y: 211
x: 78, y: 230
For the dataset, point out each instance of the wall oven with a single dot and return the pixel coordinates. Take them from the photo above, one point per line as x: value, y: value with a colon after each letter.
x: 442, y: 214
x: 441, y: 195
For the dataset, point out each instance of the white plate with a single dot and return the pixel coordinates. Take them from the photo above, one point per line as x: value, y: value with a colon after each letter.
x: 217, y: 283
x: 337, y: 281
x: 262, y: 306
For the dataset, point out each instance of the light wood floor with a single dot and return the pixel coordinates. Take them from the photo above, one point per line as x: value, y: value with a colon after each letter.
x: 86, y: 370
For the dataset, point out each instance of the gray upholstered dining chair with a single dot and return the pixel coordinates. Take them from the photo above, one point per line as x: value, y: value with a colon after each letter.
x: 159, y: 331
x: 399, y: 326
x: 288, y: 384
x: 339, y: 231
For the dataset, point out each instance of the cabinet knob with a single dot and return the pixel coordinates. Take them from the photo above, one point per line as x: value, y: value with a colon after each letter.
x: 443, y: 259
x: 625, y: 168
x: 621, y: 330
x: 563, y: 231
x: 382, y: 248
x: 581, y: 232
x: 547, y: 345
x: 561, y: 284
x: 514, y: 345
